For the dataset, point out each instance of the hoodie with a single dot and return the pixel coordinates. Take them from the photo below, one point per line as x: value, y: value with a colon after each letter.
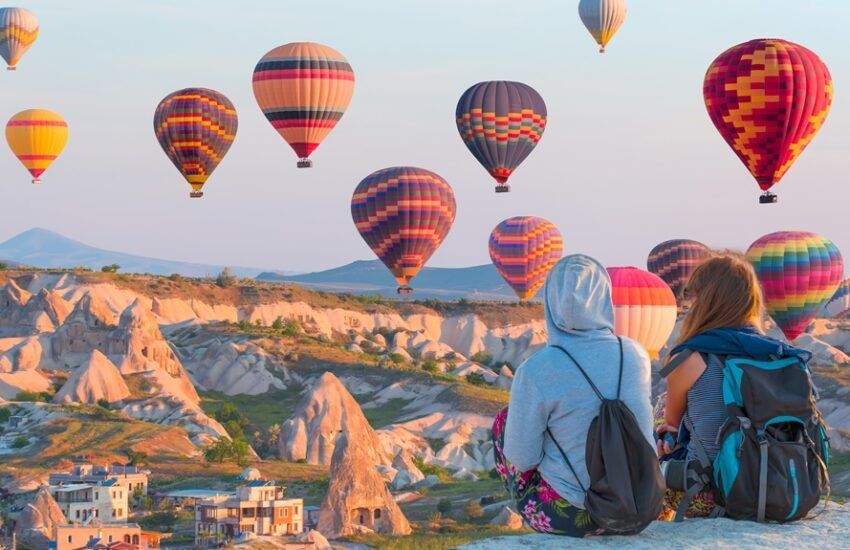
x: 549, y: 391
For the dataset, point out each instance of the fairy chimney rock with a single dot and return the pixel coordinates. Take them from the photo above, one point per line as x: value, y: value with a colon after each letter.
x: 38, y: 518
x: 95, y: 380
x: 358, y: 499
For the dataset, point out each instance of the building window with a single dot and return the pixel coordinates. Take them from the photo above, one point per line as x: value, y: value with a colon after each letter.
x: 70, y: 539
x: 77, y: 514
x: 110, y: 538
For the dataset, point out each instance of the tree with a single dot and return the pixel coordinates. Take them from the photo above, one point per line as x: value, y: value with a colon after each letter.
x: 5, y: 414
x: 103, y: 403
x: 444, y: 506
x: 226, y: 278
x: 482, y: 357
x: 472, y: 510
x: 476, y: 378
x: 111, y: 268
x: 137, y: 458
x: 429, y: 365
x: 277, y: 324
x: 219, y: 451
x: 20, y: 442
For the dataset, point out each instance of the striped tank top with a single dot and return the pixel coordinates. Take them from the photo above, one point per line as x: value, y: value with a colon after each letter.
x: 706, y: 409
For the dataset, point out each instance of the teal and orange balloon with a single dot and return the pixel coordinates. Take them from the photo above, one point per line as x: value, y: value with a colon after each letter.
x: 799, y: 271
x: 403, y: 213
x: 501, y: 122
x: 524, y: 249
x: 675, y: 260
x: 195, y: 127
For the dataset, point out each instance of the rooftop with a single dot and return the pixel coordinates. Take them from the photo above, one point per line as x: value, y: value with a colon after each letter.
x: 198, y: 493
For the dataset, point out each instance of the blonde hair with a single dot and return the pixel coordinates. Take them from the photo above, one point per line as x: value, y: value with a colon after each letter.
x: 725, y: 293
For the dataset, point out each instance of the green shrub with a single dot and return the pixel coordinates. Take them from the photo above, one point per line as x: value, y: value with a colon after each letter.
x: 444, y: 506
x: 482, y: 357
x: 20, y: 442
x: 137, y: 458
x: 33, y: 396
x: 429, y: 365
x: 472, y: 510
x: 476, y: 378
x: 5, y: 414
x: 103, y: 403
x: 111, y: 268
x: 278, y: 323
x: 226, y: 278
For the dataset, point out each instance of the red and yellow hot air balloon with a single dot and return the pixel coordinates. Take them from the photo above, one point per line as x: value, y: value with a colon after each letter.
x: 195, y: 127
x: 18, y: 31
x: 675, y: 260
x: 524, y: 249
x: 37, y: 137
x: 644, y: 307
x: 403, y: 213
x: 768, y: 98
x: 799, y: 272
x: 303, y: 89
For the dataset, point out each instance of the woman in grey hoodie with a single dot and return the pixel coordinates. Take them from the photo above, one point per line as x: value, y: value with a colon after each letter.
x: 548, y: 391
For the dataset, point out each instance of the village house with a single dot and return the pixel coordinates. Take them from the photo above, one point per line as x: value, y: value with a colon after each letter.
x: 134, y: 479
x: 258, y: 508
x: 83, y: 502
x: 118, y: 536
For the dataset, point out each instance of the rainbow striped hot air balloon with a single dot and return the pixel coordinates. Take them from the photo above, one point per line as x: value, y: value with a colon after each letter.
x: 838, y: 307
x: 603, y: 18
x: 403, y: 214
x: 303, y: 90
x: 524, y: 249
x: 195, y: 127
x: 799, y: 271
x: 675, y: 260
x: 644, y: 307
x: 768, y: 98
x: 500, y: 122
x: 18, y: 31
x: 37, y: 137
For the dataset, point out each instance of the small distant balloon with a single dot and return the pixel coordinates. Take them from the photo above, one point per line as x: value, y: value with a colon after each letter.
x: 195, y: 127
x: 37, y: 137
x: 603, y: 18
x: 675, y: 260
x: 644, y: 307
x: 798, y: 271
x: 403, y: 213
x: 303, y: 89
x: 524, y: 249
x: 500, y: 123
x: 18, y: 32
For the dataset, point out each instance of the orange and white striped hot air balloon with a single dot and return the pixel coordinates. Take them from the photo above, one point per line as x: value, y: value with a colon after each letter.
x: 18, y: 31
x: 644, y: 307
x: 37, y: 137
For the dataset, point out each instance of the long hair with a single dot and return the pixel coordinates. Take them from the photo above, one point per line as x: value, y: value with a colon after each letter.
x: 725, y: 294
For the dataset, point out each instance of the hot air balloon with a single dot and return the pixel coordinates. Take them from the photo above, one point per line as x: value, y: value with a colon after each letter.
x: 403, y: 213
x: 500, y: 122
x: 603, y: 18
x: 838, y: 307
x: 195, y: 127
x: 799, y: 271
x: 675, y: 260
x: 303, y: 89
x: 37, y: 137
x: 644, y: 307
x: 524, y: 249
x: 18, y: 31
x: 768, y: 98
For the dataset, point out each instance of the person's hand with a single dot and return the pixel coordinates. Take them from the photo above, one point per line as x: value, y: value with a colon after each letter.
x: 664, y: 443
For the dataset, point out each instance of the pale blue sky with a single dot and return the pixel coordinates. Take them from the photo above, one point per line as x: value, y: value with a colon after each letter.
x: 629, y: 157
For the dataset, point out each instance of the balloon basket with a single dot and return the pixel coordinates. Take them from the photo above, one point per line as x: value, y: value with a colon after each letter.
x: 10, y: 68
x: 505, y: 188
x: 305, y: 163
x: 404, y: 290
x: 768, y: 198
x: 36, y: 181
x: 196, y: 194
x: 602, y: 49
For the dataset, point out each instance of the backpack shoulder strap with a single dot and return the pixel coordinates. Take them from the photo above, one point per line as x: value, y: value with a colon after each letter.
x: 567, y: 460
x: 674, y: 362
x: 581, y: 370
x: 620, y: 374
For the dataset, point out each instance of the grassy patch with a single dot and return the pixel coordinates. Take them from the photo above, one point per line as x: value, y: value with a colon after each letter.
x: 386, y: 414
x: 261, y: 410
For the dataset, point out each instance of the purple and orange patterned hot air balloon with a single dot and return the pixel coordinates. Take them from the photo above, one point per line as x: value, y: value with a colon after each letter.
x: 524, y: 249
x: 195, y: 127
x: 675, y: 260
x: 768, y: 98
x: 500, y: 122
x: 799, y: 271
x: 838, y: 307
x: 644, y: 307
x: 303, y: 89
x: 403, y: 213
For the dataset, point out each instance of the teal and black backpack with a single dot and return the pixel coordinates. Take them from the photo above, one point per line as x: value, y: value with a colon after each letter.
x: 774, y: 449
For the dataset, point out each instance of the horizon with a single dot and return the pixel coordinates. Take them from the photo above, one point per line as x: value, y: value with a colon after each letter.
x: 114, y: 189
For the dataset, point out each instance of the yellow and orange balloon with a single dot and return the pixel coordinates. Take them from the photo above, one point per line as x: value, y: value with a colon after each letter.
x: 644, y: 307
x: 37, y: 137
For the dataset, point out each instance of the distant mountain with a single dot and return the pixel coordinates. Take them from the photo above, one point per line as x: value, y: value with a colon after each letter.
x: 43, y: 248
x: 480, y: 282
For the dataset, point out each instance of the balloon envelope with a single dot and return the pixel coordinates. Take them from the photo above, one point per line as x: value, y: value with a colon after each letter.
x: 500, y: 122
x: 37, y: 137
x: 403, y: 213
x: 644, y: 307
x: 675, y: 260
x: 524, y: 249
x: 303, y: 89
x: 799, y: 271
x: 768, y: 98
x: 18, y: 31
x: 838, y: 307
x: 195, y: 127
x: 603, y: 18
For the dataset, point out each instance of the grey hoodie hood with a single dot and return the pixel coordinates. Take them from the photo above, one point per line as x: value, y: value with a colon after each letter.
x: 578, y: 298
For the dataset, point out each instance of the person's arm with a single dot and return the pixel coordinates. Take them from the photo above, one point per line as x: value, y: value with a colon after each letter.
x: 526, y: 423
x: 679, y: 382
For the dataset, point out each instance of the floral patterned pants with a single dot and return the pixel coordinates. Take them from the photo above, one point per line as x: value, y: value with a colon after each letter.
x: 540, y: 506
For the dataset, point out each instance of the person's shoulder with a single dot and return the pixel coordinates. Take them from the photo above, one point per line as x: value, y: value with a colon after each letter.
x: 634, y: 351
x: 538, y: 361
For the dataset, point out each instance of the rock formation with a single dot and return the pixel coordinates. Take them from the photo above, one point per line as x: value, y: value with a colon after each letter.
x: 250, y: 474
x: 44, y: 312
x: 508, y: 518
x: 319, y: 541
x: 357, y: 499
x: 236, y: 368
x: 36, y: 521
x: 407, y: 473
x: 326, y: 412
x: 95, y: 380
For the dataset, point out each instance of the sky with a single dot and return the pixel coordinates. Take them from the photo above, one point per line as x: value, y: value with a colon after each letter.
x: 629, y: 157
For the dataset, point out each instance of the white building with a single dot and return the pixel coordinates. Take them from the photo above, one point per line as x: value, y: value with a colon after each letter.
x: 83, y: 502
x: 258, y: 507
